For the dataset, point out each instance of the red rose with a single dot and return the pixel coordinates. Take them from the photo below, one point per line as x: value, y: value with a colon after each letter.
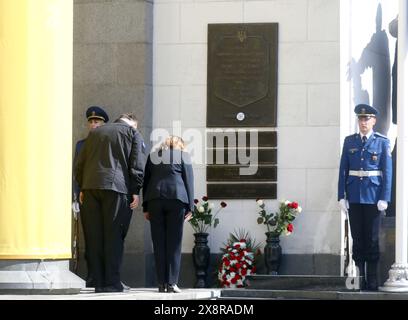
x: 227, y: 263
x: 234, y: 280
x: 205, y: 198
x: 244, y: 271
x: 237, y: 246
x: 195, y: 201
x: 242, y: 240
x: 295, y: 205
x: 238, y: 265
x: 223, y: 204
x: 289, y: 227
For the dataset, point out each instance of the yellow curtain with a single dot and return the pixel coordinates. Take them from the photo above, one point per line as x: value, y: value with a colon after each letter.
x: 35, y: 128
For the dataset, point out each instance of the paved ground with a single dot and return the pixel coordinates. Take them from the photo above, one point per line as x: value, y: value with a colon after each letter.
x: 133, y: 294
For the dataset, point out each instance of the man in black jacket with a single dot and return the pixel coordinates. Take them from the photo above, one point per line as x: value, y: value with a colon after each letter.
x: 109, y: 171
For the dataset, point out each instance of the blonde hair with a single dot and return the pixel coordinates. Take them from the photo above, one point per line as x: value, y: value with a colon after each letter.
x: 173, y: 142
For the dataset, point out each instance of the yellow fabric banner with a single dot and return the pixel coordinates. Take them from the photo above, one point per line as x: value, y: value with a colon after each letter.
x: 35, y: 128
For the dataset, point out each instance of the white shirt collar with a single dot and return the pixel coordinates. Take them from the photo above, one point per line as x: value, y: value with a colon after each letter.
x: 368, y: 135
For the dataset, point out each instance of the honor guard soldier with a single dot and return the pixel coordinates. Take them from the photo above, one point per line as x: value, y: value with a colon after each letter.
x: 364, y: 190
x: 96, y: 117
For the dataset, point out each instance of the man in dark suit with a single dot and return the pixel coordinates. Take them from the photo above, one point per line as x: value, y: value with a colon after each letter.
x: 109, y: 171
x: 168, y: 198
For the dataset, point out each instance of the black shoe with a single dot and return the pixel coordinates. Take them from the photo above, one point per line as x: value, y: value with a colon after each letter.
x: 361, y: 274
x: 98, y: 289
x: 162, y: 288
x: 112, y: 289
x: 372, y: 283
x: 172, y: 288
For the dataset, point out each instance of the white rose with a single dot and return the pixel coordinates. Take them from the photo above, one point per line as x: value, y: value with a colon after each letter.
x: 201, y: 209
x: 260, y: 202
x: 211, y: 205
x: 232, y: 275
x: 299, y: 209
x: 287, y: 202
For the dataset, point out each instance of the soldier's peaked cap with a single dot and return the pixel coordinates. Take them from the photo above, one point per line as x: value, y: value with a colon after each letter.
x: 95, y: 112
x: 365, y: 110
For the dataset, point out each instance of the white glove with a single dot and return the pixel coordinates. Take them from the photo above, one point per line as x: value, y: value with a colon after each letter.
x: 344, y: 205
x: 382, y: 205
x: 75, y: 209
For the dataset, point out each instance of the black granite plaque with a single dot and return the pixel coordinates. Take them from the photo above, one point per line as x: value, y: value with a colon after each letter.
x: 265, y: 139
x: 231, y: 156
x: 241, y: 190
x: 232, y: 173
x: 242, y: 75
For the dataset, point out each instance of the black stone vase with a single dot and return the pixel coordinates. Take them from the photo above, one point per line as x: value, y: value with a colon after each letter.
x: 201, y: 258
x: 272, y: 253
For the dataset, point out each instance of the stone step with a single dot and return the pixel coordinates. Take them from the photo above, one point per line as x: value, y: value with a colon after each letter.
x: 302, y: 282
x: 257, y: 294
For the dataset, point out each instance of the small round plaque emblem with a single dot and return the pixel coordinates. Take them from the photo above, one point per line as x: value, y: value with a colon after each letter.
x: 240, y: 116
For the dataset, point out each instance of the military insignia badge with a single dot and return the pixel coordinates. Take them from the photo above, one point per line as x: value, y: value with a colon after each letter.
x: 353, y: 150
x: 374, y: 157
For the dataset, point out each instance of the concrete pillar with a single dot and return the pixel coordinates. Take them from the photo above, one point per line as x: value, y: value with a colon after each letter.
x: 35, y: 143
x: 398, y: 275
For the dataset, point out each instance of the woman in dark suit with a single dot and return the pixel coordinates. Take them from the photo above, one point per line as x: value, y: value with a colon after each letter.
x: 168, y: 199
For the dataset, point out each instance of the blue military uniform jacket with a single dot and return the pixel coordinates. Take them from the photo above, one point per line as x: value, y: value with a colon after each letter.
x: 374, y: 155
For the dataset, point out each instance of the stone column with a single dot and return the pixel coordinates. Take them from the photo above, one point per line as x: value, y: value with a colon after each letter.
x: 35, y: 143
x: 398, y: 275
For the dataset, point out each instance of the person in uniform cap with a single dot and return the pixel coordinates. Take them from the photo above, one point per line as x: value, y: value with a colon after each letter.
x: 96, y: 117
x: 364, y: 190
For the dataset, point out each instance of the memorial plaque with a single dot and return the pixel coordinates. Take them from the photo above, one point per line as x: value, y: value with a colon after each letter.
x: 232, y: 173
x: 265, y: 139
x: 242, y: 75
x: 265, y: 156
x: 241, y: 190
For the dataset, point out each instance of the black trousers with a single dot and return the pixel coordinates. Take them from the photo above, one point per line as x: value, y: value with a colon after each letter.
x: 106, y: 217
x: 166, y: 224
x: 365, y: 227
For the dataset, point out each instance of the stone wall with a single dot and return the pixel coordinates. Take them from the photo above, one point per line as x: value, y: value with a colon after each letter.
x: 113, y: 69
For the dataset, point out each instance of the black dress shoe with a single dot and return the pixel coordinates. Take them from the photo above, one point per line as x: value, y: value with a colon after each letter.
x: 112, y: 289
x: 172, y: 288
x: 162, y: 288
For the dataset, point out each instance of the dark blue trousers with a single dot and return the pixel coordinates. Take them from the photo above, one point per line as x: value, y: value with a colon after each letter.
x: 106, y: 217
x: 365, y: 227
x: 166, y: 224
